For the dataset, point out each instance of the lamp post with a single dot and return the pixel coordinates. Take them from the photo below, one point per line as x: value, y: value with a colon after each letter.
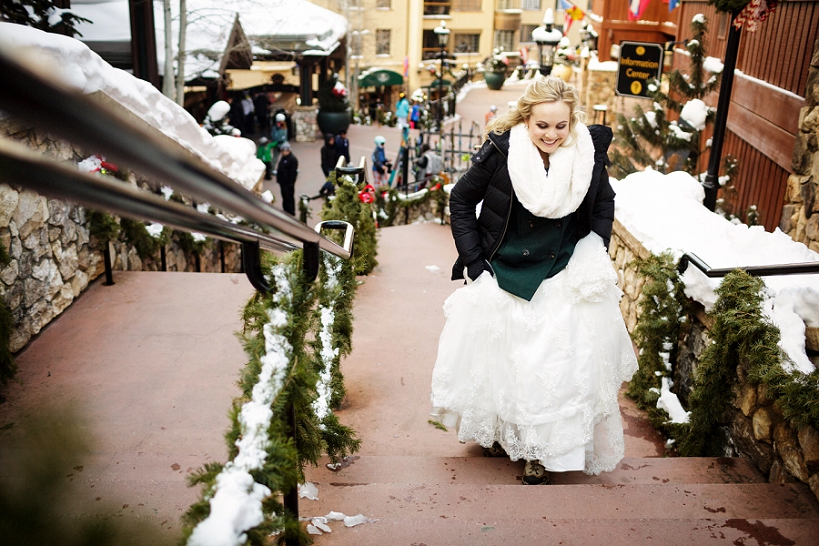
x: 443, y: 37
x: 547, y: 37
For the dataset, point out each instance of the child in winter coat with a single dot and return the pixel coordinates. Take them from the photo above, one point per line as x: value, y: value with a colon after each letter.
x: 263, y: 152
x: 278, y: 136
x: 381, y: 167
x: 329, y: 155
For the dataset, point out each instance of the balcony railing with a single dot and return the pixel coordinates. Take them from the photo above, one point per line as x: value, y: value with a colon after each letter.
x: 437, y: 7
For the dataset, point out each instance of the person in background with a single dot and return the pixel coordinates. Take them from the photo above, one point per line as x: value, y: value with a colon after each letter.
x: 286, y: 174
x: 263, y: 153
x: 381, y: 167
x: 329, y: 155
x: 278, y: 136
x: 535, y: 348
x: 261, y: 104
x: 343, y: 146
x: 428, y: 165
x: 491, y: 114
x: 249, y: 111
x: 415, y: 115
x: 402, y: 110
x: 237, y: 115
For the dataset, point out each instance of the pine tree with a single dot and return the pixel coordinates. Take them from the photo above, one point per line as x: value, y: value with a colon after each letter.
x: 650, y: 138
x: 42, y: 15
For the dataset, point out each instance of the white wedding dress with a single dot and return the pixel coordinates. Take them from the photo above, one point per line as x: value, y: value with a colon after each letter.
x: 540, y: 377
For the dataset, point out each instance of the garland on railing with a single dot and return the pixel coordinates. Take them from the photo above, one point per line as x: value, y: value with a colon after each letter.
x: 280, y: 373
x: 347, y: 206
x: 741, y: 335
x: 663, y: 310
x: 392, y: 202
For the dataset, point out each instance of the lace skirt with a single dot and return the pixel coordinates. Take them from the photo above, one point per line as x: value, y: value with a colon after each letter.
x: 539, y: 377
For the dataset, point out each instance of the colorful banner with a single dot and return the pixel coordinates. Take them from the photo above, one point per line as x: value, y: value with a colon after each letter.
x: 636, y: 9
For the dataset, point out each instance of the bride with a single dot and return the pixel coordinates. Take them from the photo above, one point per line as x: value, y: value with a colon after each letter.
x: 534, y: 349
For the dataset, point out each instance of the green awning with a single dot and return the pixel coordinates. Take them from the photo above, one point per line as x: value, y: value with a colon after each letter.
x: 379, y: 77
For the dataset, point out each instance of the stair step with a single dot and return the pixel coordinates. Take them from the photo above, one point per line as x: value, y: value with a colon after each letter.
x: 593, y: 532
x: 603, y: 501
x: 501, y: 471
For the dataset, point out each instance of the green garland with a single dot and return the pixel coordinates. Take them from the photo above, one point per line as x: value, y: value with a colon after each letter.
x: 742, y: 336
x: 390, y: 204
x: 347, y: 206
x: 729, y: 6
x: 102, y: 226
x: 289, y: 311
x: 136, y: 234
x: 663, y: 309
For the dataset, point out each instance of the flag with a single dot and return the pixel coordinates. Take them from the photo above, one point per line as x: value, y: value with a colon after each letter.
x: 636, y: 9
x: 572, y: 14
x: 406, y: 66
x: 672, y: 4
x: 564, y: 4
x: 524, y: 55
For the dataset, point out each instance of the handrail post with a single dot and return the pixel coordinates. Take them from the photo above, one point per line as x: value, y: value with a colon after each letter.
x: 252, y: 264
x: 106, y: 255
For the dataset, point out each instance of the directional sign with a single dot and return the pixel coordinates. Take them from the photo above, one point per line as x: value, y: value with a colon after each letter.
x: 639, y: 63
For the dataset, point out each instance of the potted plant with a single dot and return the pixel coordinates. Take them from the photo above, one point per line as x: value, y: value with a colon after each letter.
x: 334, y: 113
x: 495, y: 70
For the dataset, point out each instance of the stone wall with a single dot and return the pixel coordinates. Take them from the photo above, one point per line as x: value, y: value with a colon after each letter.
x: 304, y: 118
x: 757, y: 428
x: 799, y: 216
x: 53, y: 256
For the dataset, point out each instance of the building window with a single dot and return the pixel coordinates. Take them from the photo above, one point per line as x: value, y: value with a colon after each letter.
x: 467, y: 43
x: 526, y: 33
x: 437, y: 7
x: 530, y: 4
x: 466, y: 5
x: 505, y: 39
x: 382, y: 42
x: 386, y: 4
x: 431, y: 49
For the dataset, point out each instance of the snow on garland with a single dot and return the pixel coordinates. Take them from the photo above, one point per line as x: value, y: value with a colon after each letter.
x: 240, y: 502
x: 236, y: 503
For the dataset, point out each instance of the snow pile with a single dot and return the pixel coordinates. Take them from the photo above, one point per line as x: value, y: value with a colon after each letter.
x: 76, y: 66
x: 665, y: 212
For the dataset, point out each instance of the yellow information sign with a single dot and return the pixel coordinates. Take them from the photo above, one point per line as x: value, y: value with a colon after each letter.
x: 639, y: 64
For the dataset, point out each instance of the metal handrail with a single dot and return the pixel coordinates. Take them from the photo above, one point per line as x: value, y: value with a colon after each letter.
x: 756, y: 270
x: 44, y: 103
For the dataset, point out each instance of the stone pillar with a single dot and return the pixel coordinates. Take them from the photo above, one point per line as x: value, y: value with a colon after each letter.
x: 799, y: 216
x: 304, y: 118
x: 599, y: 88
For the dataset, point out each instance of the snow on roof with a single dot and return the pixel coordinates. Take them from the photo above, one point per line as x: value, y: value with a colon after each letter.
x: 270, y: 25
x: 74, y: 64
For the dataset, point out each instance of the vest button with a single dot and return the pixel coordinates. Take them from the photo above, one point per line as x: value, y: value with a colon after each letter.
x: 525, y: 251
x: 551, y: 255
x: 559, y: 223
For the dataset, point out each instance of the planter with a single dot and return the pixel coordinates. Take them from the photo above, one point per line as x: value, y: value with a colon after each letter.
x: 333, y: 122
x: 562, y: 71
x: 494, y: 80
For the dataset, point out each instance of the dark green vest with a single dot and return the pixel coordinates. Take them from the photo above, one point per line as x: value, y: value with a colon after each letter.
x: 533, y: 249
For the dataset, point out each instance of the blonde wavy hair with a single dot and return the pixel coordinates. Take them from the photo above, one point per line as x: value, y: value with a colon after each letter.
x: 550, y: 89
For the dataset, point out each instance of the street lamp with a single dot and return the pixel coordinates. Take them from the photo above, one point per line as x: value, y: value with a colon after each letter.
x: 443, y: 37
x: 547, y: 37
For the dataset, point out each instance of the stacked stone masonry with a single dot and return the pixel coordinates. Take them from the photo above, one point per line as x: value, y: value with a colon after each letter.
x: 53, y: 256
x: 799, y: 216
x: 757, y: 428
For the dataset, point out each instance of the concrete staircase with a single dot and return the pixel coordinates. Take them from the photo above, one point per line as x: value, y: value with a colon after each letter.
x: 152, y: 368
x: 424, y: 487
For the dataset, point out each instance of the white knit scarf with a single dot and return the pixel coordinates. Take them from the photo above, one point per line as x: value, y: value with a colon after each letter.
x: 560, y: 192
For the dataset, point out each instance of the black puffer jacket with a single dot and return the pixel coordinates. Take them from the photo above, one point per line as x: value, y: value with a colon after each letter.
x: 487, y: 180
